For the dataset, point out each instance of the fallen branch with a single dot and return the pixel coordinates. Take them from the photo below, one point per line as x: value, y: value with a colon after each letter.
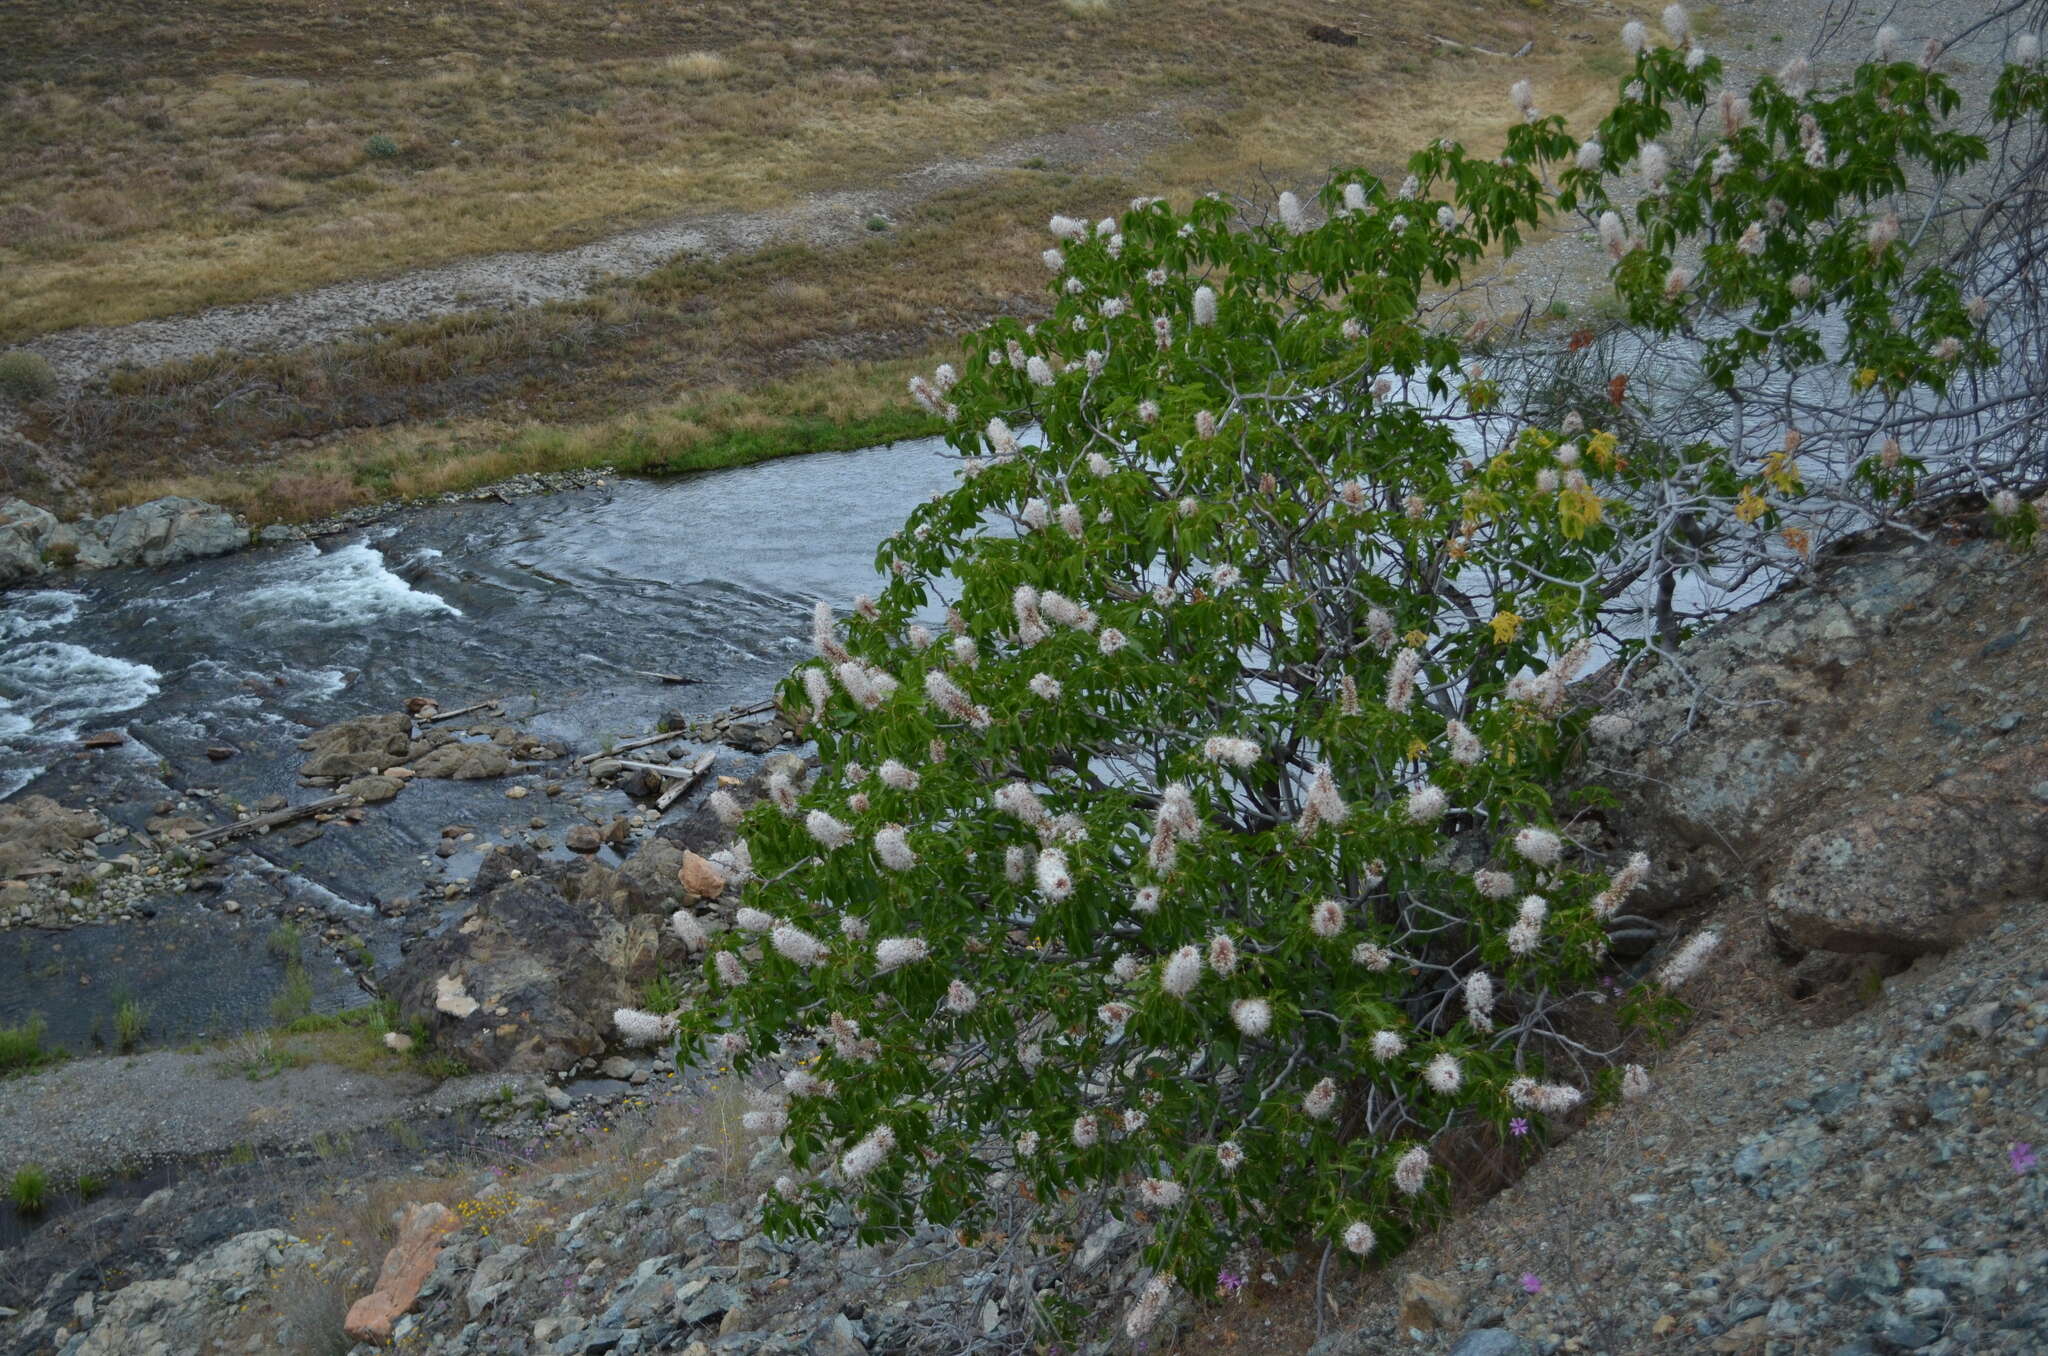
x: 689, y: 769
x: 625, y: 745
x: 759, y: 708
x: 461, y: 711
x: 690, y: 772
x: 676, y: 679
x: 258, y: 823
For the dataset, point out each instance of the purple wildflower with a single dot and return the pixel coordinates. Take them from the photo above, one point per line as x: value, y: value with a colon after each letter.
x: 1228, y: 1282
x: 1518, y: 1127
x: 1532, y: 1283
x: 2023, y: 1158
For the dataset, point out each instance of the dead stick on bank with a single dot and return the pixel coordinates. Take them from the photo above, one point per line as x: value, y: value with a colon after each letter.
x: 459, y: 711
x: 692, y: 771
x: 272, y: 820
x: 625, y: 745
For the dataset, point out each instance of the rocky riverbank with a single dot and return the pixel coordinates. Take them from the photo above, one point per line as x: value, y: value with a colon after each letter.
x: 1837, y: 1156
x: 35, y: 542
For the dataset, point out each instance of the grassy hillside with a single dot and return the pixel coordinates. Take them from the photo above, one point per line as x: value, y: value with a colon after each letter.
x: 154, y: 162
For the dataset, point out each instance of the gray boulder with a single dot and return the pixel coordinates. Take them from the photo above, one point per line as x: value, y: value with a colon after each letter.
x: 1924, y: 872
x: 161, y: 532
x: 649, y: 881
x: 535, y: 979
x: 24, y: 533
x: 1838, y: 749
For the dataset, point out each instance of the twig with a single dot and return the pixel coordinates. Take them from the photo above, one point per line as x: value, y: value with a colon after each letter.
x: 461, y: 711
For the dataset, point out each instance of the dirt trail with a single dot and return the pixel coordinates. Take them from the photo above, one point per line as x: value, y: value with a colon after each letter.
x: 512, y: 280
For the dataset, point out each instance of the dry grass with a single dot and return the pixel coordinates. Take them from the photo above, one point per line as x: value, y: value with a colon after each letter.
x: 152, y: 165
x: 830, y: 409
x: 704, y: 363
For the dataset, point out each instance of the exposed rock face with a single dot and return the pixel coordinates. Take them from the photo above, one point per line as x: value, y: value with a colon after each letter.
x: 36, y: 833
x: 359, y: 747
x: 648, y: 877
x: 186, y: 1311
x: 464, y: 762
x: 700, y: 877
x: 160, y: 532
x: 534, y: 964
x: 1923, y: 873
x: 24, y: 532
x: 411, y: 1260
x: 1861, y: 750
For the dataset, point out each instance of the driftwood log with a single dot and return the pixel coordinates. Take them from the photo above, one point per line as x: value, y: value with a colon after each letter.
x: 257, y: 823
x: 458, y: 711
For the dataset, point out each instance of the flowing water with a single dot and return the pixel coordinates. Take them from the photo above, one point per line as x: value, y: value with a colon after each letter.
x: 547, y: 601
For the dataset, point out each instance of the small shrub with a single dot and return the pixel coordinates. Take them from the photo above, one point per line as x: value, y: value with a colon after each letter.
x: 878, y: 222
x: 381, y: 147
x: 131, y: 1022
x: 21, y: 1047
x: 29, y: 1190
x: 87, y: 1185
x: 295, y: 1000
x: 284, y: 941
x: 61, y: 555
x: 26, y: 376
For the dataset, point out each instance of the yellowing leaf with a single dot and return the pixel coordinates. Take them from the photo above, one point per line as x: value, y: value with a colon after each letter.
x: 1578, y: 510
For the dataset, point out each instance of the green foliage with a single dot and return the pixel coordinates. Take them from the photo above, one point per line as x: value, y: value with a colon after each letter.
x: 131, y: 1022
x: 1206, y: 863
x: 284, y: 941
x: 22, y: 1048
x: 381, y: 147
x: 26, y: 376
x: 661, y: 995
x: 294, y: 1001
x: 29, y: 1190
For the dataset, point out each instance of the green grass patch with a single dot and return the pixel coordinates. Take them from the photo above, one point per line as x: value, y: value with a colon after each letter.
x: 22, y: 1048
x: 131, y: 1022
x: 29, y: 1190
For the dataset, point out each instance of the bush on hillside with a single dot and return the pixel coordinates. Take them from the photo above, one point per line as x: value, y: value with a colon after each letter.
x: 26, y: 376
x: 1185, y: 840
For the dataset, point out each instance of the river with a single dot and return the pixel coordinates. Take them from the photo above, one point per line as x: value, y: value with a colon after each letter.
x: 548, y: 601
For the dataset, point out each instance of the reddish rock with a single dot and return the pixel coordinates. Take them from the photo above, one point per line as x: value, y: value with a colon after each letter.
x: 700, y: 877
x: 406, y: 1268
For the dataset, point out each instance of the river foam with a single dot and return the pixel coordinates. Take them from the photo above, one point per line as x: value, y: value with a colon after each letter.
x: 344, y: 587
